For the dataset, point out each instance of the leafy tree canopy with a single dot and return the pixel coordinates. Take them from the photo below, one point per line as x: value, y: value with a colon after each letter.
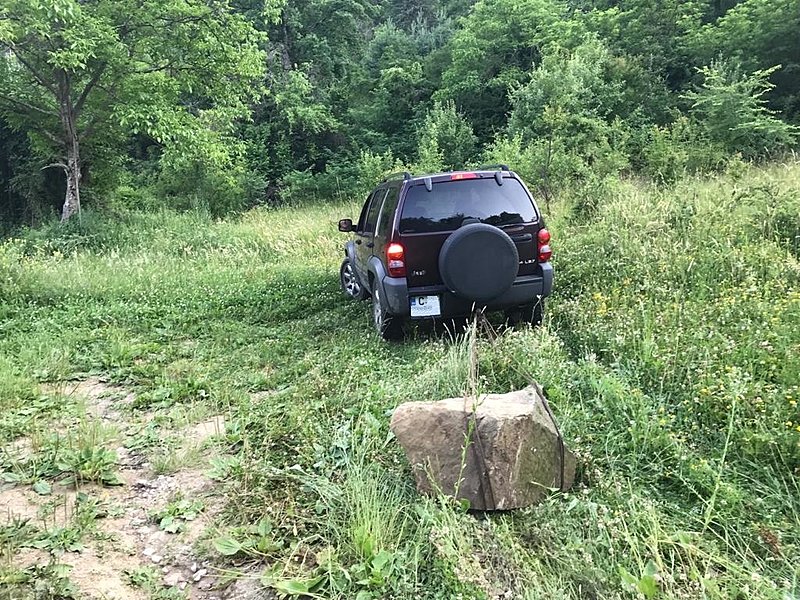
x: 499, y: 42
x: 178, y: 71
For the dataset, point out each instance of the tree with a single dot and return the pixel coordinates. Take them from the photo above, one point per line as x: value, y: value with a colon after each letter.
x: 730, y: 106
x: 498, y: 44
x: 446, y: 140
x: 71, y: 71
x: 572, y: 119
x: 654, y: 31
x: 313, y: 49
x: 758, y: 34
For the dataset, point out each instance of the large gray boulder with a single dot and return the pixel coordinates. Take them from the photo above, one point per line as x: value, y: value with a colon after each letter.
x: 514, y: 457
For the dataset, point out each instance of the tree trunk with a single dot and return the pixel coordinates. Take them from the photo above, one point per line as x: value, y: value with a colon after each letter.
x: 72, y: 198
x: 286, y: 47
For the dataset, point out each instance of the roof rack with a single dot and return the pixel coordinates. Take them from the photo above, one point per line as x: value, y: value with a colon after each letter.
x: 404, y: 175
x: 500, y: 167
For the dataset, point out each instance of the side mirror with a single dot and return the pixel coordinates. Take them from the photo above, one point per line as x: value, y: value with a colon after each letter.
x: 346, y: 225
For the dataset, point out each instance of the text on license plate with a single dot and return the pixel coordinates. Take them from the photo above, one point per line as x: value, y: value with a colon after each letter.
x: 425, y: 306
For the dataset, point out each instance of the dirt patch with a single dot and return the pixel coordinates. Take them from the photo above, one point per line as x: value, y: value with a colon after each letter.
x: 101, y: 575
x: 102, y: 399
x: 47, y: 510
x: 248, y: 587
x: 129, y: 538
x: 17, y: 503
x: 212, y: 427
x: 20, y: 449
x: 96, y: 573
x: 25, y: 557
x: 173, y: 554
x: 263, y: 395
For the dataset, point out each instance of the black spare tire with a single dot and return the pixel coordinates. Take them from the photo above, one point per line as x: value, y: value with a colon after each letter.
x: 479, y: 262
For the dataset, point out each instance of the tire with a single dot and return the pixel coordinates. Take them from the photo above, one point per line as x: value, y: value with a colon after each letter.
x: 389, y: 327
x: 348, y: 279
x: 479, y: 262
x: 527, y: 314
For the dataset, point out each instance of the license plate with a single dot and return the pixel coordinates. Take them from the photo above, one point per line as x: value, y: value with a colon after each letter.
x: 425, y: 306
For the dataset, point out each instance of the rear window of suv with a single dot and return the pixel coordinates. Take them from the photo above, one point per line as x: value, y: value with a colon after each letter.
x: 451, y: 202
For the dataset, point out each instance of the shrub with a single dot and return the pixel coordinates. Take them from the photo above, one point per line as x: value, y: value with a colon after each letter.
x: 446, y: 140
x: 678, y: 149
x: 731, y: 108
x: 543, y: 167
x: 343, y: 180
x: 567, y: 114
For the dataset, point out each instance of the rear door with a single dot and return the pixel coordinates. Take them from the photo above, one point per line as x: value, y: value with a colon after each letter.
x: 429, y: 217
x: 365, y: 236
x: 383, y: 230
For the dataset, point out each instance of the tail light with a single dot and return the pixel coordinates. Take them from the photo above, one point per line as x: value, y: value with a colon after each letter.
x: 545, y: 252
x: 396, y: 260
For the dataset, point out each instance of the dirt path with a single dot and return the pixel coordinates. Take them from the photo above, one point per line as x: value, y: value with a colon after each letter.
x: 127, y: 550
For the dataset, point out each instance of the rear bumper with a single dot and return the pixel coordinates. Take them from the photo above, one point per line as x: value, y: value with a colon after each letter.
x: 525, y: 290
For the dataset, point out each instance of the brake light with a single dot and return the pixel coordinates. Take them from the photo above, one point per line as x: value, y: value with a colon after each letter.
x: 543, y: 236
x: 458, y: 176
x: 545, y: 252
x: 396, y: 260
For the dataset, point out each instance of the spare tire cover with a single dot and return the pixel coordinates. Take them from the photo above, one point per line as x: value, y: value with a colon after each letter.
x: 479, y: 262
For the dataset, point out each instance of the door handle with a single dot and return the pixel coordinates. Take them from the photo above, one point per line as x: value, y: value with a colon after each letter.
x: 370, y: 245
x: 525, y: 237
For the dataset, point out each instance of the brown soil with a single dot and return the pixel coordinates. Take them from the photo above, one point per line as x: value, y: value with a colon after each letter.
x: 129, y: 539
x: 100, y: 397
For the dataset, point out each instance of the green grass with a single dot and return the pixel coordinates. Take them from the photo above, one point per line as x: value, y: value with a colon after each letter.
x: 670, y: 352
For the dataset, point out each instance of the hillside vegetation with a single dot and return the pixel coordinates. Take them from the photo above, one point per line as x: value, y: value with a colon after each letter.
x: 670, y: 353
x: 225, y: 105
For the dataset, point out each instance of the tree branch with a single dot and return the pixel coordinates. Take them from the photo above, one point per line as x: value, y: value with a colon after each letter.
x: 38, y: 76
x: 89, y: 86
x: 41, y: 129
x: 22, y: 103
x: 154, y: 69
x: 58, y: 165
x: 91, y: 127
x: 53, y: 138
x: 111, y: 90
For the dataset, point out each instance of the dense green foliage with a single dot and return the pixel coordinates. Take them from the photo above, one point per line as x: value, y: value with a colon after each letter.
x: 670, y: 352
x: 565, y: 90
x: 84, y: 79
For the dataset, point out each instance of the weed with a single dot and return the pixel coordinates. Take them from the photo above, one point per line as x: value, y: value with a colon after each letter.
x: 17, y: 533
x: 69, y: 536
x: 38, y: 581
x: 173, y: 517
x: 149, y: 580
x: 78, y: 456
x: 223, y: 467
x: 167, y: 459
x: 257, y: 540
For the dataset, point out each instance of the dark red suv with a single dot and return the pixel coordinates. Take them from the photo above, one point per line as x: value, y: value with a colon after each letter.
x: 439, y: 246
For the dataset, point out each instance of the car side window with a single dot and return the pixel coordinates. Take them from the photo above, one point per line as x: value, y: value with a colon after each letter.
x: 372, y: 213
x: 363, y: 217
x: 387, y: 214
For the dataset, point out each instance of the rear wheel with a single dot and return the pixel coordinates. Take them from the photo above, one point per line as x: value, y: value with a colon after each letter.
x: 348, y: 279
x: 389, y: 327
